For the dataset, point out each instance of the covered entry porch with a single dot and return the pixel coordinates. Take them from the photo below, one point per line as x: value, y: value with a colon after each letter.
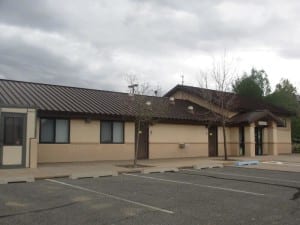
x: 258, y: 133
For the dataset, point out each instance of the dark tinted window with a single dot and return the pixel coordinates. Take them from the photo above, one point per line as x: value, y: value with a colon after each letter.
x: 54, y: 130
x: 112, y: 132
x: 13, y: 130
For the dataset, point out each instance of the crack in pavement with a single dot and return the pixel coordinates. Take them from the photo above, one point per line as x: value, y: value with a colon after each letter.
x: 39, y: 210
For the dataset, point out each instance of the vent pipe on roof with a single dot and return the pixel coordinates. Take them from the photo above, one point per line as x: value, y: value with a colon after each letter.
x: 191, y: 109
x: 172, y: 100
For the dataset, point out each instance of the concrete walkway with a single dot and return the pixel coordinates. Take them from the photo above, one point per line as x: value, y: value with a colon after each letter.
x: 94, y: 169
x: 51, y: 170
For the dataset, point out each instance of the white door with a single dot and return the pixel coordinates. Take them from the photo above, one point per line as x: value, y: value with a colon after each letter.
x: 13, y: 140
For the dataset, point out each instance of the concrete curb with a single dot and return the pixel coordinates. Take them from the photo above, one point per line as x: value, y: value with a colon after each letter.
x: 17, y: 179
x: 93, y: 174
x: 159, y: 170
x: 207, y: 166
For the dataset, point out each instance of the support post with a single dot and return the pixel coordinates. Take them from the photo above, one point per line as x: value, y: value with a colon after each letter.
x: 273, y: 138
x: 250, y: 140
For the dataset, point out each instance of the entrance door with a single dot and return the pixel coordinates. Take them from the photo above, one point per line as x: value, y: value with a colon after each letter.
x: 258, y: 140
x: 213, y: 141
x: 242, y: 141
x: 13, y: 140
x: 143, y: 148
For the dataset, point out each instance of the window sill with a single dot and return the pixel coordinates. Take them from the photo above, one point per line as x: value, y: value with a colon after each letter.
x: 55, y: 143
x: 110, y: 143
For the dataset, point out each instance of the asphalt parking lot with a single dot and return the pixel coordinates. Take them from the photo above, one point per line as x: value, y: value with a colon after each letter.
x: 212, y: 196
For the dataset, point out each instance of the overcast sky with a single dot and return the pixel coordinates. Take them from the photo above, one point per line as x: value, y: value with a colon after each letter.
x: 95, y: 43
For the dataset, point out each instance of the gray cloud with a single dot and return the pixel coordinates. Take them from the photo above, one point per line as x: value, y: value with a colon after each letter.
x: 95, y: 43
x: 30, y: 63
x: 35, y: 14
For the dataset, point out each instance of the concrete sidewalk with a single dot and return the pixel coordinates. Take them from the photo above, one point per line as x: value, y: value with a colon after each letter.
x: 290, y: 158
x: 52, y: 170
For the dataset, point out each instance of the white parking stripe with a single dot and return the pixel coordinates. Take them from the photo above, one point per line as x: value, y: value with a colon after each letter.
x: 240, y: 175
x: 194, y: 184
x: 112, y: 196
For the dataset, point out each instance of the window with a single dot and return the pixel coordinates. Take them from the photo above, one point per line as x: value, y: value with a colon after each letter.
x: 13, y: 130
x: 54, y: 130
x: 112, y: 132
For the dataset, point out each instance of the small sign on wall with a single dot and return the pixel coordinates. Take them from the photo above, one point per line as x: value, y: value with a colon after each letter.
x: 262, y: 123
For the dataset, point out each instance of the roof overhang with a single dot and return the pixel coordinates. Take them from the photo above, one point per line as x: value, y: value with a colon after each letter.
x: 2, y: 105
x: 254, y: 116
x: 129, y: 118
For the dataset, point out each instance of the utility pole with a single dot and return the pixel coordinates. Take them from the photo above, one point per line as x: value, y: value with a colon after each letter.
x: 182, y: 79
x: 132, y: 87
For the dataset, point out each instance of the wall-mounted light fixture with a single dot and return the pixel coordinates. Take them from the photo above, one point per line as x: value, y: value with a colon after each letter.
x: 172, y: 100
x: 87, y: 120
x: 191, y: 109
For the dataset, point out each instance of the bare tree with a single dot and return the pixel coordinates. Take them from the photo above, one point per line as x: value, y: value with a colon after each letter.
x: 157, y: 90
x: 220, y: 100
x: 142, y: 107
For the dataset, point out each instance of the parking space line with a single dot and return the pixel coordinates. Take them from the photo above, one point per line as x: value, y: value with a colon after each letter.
x: 112, y: 196
x: 240, y: 175
x: 194, y: 184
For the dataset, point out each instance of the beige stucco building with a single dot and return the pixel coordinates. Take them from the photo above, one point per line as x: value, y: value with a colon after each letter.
x: 41, y: 123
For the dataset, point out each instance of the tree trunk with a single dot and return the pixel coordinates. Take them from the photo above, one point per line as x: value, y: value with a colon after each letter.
x: 225, y: 142
x: 136, y: 149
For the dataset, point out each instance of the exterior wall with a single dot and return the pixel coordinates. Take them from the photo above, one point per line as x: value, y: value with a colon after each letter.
x: 232, y: 139
x: 82, y: 132
x: 277, y: 140
x: 85, y: 145
x: 49, y: 153
x: 10, y: 153
x: 164, y: 140
x: 284, y: 138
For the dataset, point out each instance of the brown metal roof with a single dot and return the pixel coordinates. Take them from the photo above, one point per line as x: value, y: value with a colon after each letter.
x: 250, y: 117
x: 233, y: 102
x: 66, y: 100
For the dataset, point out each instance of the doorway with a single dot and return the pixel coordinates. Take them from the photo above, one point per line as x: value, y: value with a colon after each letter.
x: 13, y: 140
x: 258, y: 140
x: 143, y: 148
x: 212, y: 141
x: 241, y: 141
